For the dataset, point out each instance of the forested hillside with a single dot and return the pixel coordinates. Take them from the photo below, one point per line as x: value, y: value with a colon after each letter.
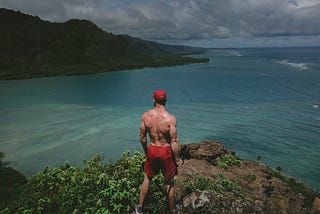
x: 31, y: 47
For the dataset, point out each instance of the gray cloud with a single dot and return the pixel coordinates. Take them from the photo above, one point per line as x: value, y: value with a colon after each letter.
x: 184, y: 19
x: 275, y: 17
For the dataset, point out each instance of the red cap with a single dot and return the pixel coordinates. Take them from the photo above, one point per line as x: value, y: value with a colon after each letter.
x: 159, y: 95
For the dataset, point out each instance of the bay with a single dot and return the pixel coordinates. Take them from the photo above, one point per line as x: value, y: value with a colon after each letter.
x: 257, y: 102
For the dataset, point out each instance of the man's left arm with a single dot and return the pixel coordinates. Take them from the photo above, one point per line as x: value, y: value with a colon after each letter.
x: 143, y: 137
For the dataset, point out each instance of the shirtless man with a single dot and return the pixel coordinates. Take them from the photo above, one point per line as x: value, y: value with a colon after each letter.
x: 163, y: 151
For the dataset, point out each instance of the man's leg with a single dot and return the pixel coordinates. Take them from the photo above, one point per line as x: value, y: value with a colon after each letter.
x: 170, y: 191
x: 144, y: 190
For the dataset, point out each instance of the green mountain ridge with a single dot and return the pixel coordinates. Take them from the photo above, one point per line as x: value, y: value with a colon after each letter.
x: 31, y: 47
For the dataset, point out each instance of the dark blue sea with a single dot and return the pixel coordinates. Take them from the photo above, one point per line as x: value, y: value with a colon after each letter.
x: 257, y: 102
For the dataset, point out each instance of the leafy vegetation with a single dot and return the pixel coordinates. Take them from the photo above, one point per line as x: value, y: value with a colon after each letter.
x: 31, y: 47
x: 10, y: 182
x: 219, y: 185
x: 109, y: 188
x: 251, y: 177
x: 228, y: 160
x: 95, y: 188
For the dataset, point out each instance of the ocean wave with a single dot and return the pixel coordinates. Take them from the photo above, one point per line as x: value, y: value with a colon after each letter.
x: 234, y: 53
x: 298, y: 65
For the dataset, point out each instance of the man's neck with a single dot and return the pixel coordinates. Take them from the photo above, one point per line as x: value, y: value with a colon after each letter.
x: 159, y: 107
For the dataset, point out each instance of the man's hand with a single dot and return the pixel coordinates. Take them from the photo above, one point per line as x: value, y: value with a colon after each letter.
x: 178, y: 162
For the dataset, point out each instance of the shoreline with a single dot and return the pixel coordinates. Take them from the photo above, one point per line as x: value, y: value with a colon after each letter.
x: 185, y: 61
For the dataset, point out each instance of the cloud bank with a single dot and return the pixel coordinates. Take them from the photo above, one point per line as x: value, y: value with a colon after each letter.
x: 184, y: 19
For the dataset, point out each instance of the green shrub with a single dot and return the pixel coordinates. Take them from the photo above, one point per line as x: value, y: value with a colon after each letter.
x: 95, y: 188
x: 211, y: 185
x: 251, y: 177
x: 228, y: 160
x: 219, y: 185
x: 10, y: 182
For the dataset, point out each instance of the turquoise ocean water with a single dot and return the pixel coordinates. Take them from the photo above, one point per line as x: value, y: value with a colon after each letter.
x: 257, y: 102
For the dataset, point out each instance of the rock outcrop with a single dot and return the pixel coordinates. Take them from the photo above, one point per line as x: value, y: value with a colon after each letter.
x: 214, y: 180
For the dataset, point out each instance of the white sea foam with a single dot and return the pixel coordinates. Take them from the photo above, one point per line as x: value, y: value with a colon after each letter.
x: 298, y: 65
x: 234, y: 53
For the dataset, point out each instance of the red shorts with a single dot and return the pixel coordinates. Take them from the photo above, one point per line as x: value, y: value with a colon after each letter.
x: 160, y: 158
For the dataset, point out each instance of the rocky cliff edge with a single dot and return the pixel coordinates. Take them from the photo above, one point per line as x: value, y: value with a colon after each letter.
x: 214, y: 180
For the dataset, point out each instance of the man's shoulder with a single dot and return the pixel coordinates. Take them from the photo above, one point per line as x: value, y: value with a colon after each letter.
x: 171, y: 117
x: 147, y: 114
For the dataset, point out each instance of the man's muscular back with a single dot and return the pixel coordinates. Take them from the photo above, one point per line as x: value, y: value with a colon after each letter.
x: 160, y: 125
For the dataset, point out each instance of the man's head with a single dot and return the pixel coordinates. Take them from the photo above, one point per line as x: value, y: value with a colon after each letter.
x: 160, y: 96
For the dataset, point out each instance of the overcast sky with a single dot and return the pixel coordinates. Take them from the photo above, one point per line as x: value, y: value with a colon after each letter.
x: 206, y: 23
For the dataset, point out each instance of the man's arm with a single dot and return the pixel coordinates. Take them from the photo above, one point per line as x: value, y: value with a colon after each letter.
x: 143, y: 137
x: 174, y: 139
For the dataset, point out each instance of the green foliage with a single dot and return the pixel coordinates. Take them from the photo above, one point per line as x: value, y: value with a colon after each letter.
x: 95, y: 188
x: 251, y: 177
x: 228, y: 160
x: 11, y: 183
x: 220, y: 185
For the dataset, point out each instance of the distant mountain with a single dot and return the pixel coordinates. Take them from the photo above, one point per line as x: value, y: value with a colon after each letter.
x: 31, y: 47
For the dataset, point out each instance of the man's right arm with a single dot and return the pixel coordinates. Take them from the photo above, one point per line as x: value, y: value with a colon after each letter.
x: 143, y: 136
